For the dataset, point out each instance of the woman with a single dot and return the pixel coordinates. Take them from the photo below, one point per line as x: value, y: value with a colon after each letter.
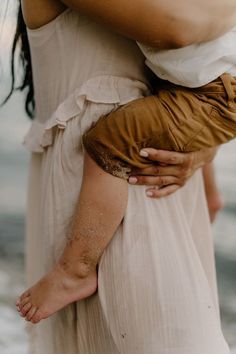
x: 173, y: 308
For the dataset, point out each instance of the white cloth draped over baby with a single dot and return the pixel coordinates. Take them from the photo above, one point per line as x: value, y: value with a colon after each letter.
x: 157, y: 288
x: 197, y: 64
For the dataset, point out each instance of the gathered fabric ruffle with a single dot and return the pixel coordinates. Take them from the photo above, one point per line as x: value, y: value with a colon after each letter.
x: 101, y: 90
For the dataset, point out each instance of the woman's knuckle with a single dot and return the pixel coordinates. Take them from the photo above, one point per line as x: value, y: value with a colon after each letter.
x: 184, y: 171
x: 155, y: 156
x: 156, y: 170
x: 162, y: 181
x: 154, y: 194
x: 139, y: 179
x: 169, y: 161
x: 189, y: 160
x: 174, y: 159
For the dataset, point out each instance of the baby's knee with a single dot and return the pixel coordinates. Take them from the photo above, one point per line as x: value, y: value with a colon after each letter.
x: 87, y: 264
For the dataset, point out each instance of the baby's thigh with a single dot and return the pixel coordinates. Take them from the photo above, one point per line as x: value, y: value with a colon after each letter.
x: 115, y: 141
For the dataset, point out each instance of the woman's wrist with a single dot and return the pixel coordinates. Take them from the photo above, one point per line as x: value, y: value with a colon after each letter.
x: 203, y: 157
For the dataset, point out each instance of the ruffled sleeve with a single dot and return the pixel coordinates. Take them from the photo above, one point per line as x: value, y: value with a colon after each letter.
x: 102, y: 89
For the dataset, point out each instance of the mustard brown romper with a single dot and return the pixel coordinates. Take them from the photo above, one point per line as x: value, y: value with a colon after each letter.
x: 175, y: 118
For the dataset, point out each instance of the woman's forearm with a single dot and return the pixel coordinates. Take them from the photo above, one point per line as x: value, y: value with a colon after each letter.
x: 162, y: 23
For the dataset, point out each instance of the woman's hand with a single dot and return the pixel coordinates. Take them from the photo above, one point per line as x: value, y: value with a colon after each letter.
x: 169, y: 170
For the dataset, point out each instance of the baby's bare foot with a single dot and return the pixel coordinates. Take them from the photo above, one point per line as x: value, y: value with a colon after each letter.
x: 53, y: 292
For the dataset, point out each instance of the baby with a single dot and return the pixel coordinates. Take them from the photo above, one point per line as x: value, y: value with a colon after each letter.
x: 194, y: 108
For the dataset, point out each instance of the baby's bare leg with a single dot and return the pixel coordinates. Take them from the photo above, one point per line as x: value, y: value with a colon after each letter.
x: 100, y: 210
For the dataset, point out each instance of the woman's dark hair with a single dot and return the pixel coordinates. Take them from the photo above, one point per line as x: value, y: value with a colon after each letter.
x: 21, y: 39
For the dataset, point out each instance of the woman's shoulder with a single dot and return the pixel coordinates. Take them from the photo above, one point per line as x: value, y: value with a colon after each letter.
x: 39, y: 13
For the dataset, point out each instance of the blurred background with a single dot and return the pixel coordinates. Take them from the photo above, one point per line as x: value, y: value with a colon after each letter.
x: 13, y: 180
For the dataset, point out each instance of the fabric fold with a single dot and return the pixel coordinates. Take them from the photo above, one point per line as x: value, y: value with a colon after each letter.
x: 100, y: 89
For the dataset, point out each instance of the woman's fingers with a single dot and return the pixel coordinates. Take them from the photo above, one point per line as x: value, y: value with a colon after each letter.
x: 197, y: 158
x: 169, y: 163
x: 156, y: 170
x: 162, y: 192
x: 168, y: 169
x: 159, y: 181
x: 167, y: 157
x: 163, y: 185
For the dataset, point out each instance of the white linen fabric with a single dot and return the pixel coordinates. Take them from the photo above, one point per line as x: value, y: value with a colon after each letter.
x: 195, y: 65
x: 157, y: 288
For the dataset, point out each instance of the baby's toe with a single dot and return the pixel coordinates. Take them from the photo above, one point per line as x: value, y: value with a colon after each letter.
x: 18, y: 308
x: 26, y: 308
x: 24, y: 302
x: 31, y: 313
x: 24, y: 295
x: 37, y: 317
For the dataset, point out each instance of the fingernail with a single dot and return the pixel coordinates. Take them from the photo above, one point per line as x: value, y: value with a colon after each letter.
x: 143, y: 153
x: 133, y: 180
x: 149, y: 194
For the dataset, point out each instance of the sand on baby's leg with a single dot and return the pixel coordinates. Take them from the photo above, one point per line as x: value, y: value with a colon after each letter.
x: 100, y: 209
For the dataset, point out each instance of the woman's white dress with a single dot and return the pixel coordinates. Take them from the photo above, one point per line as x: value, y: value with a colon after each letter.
x: 157, y: 287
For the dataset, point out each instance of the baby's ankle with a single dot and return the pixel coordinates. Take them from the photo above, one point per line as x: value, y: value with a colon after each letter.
x: 82, y: 269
